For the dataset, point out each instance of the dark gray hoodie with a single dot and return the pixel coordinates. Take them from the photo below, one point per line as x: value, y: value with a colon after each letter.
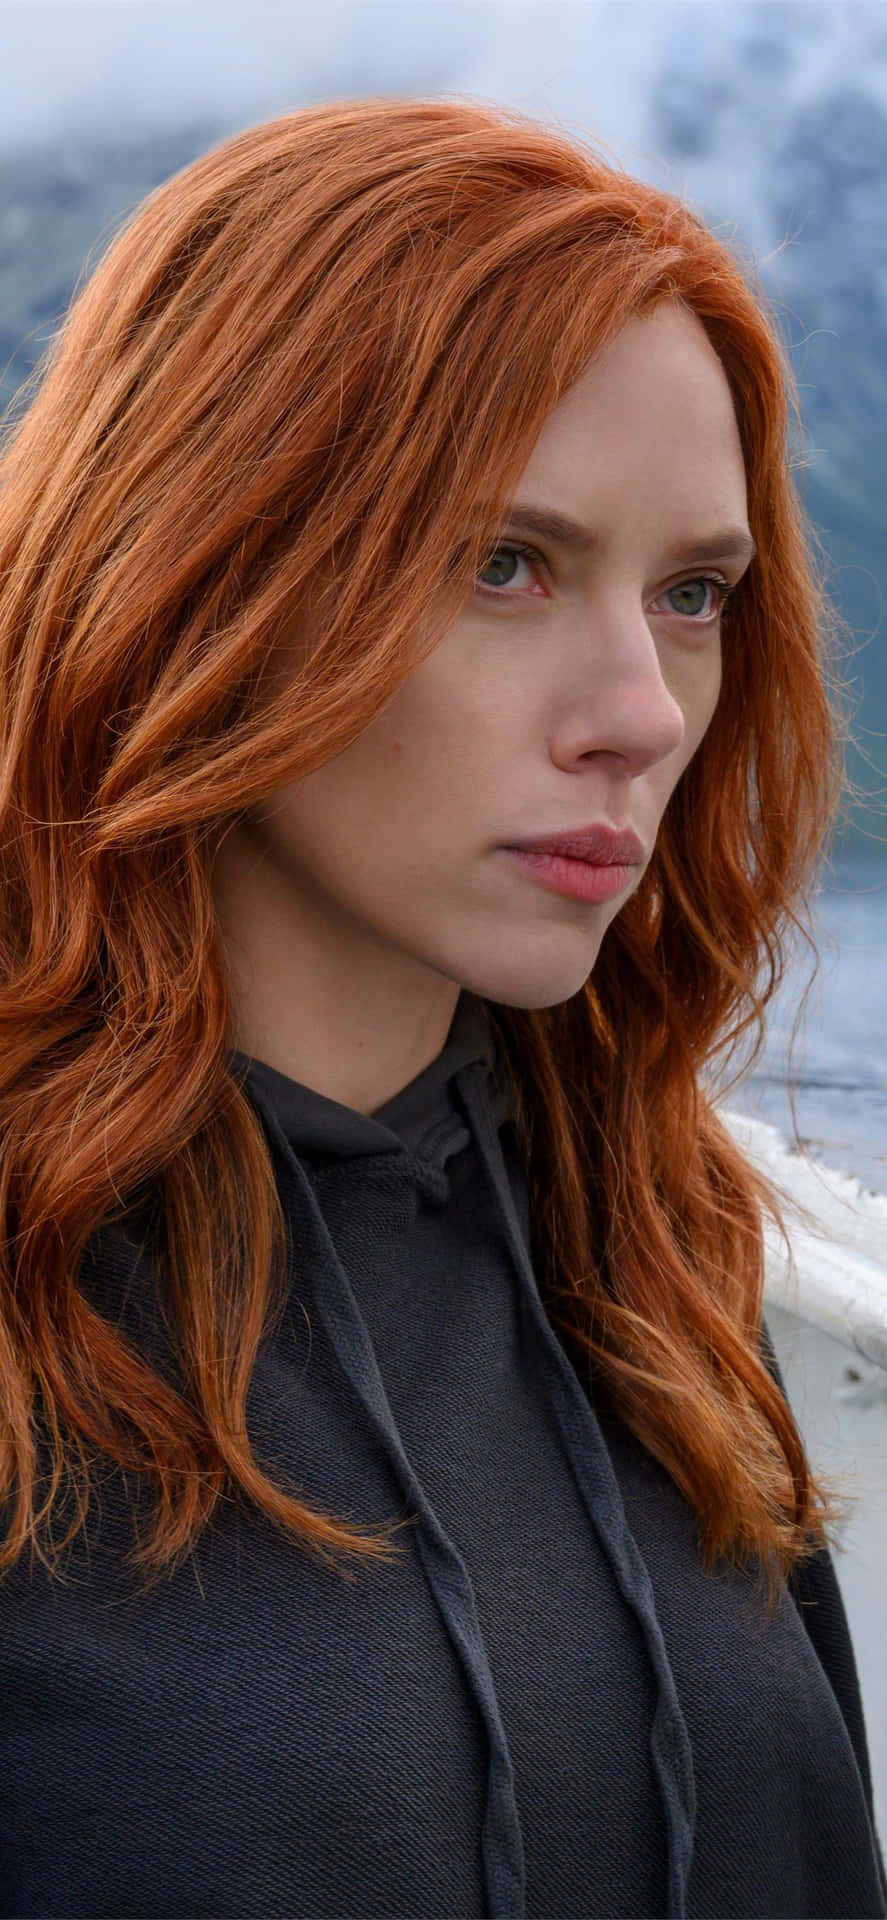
x: 545, y: 1708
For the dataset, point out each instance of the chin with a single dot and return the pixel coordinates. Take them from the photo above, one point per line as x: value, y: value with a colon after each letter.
x: 536, y: 992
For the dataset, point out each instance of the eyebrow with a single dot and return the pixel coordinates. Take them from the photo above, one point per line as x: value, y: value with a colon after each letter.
x: 731, y: 543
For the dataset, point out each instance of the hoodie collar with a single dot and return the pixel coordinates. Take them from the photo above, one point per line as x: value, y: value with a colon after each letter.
x: 421, y: 1118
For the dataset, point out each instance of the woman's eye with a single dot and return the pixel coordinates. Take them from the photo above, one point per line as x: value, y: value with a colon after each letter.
x: 504, y: 565
x: 700, y: 599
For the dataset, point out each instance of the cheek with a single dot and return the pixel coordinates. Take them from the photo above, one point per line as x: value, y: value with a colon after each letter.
x: 697, y: 691
x: 436, y: 732
x: 698, y: 694
x: 714, y: 691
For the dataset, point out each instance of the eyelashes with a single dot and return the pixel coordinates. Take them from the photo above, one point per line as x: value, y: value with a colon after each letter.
x: 720, y: 587
x: 713, y: 580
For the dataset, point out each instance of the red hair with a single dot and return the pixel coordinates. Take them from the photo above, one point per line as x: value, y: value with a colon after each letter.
x: 303, y: 384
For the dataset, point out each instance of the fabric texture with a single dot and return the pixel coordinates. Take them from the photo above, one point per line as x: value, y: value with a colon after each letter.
x: 544, y: 1708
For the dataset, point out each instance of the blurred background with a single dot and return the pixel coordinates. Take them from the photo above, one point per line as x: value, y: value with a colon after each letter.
x: 770, y: 117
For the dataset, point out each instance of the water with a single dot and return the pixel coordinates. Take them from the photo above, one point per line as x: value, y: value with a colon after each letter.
x: 840, y: 1056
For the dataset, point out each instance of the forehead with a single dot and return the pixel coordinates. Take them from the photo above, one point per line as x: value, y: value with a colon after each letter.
x: 652, y: 419
x: 658, y: 372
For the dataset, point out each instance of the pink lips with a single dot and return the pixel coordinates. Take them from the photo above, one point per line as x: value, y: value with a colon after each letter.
x: 600, y: 845
x: 579, y: 879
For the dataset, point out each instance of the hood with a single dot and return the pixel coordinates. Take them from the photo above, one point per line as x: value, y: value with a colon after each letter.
x: 403, y: 1157
x: 424, y: 1118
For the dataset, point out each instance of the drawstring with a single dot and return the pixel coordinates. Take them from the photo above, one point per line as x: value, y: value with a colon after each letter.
x: 669, y: 1738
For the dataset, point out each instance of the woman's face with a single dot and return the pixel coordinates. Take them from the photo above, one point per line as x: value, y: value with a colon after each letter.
x: 573, y: 687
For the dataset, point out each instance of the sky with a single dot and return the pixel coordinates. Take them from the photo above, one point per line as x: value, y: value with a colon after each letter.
x: 108, y: 65
x: 93, y: 69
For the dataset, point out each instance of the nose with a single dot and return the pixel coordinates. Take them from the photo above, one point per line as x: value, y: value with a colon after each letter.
x: 627, y: 704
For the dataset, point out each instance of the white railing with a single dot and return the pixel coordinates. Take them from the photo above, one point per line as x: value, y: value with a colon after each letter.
x: 836, y: 1277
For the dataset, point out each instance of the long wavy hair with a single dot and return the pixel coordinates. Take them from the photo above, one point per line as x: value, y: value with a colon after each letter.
x: 301, y: 385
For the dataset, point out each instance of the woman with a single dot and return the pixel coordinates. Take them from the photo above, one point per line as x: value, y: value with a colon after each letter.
x: 404, y: 1512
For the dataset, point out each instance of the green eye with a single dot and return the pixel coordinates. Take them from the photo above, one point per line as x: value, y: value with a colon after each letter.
x: 690, y: 597
x: 504, y: 559
x: 499, y: 561
x: 700, y: 599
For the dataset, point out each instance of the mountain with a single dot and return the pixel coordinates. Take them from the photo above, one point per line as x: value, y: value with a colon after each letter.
x: 773, y: 120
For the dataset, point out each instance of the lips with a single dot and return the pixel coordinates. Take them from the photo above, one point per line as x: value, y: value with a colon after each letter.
x: 600, y: 844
